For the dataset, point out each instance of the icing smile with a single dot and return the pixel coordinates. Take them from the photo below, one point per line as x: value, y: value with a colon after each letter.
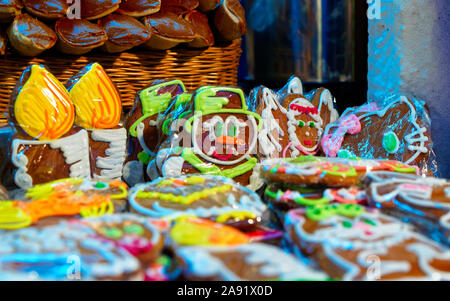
x: 308, y: 142
x: 221, y: 157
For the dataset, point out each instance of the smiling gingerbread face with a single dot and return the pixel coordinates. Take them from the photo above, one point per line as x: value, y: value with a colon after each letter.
x: 304, y: 125
x: 225, y: 138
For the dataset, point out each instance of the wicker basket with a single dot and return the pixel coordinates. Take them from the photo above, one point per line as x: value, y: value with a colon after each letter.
x: 132, y: 72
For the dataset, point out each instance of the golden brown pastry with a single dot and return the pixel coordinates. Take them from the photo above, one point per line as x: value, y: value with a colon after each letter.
x: 29, y: 36
x: 179, y: 7
x: 229, y: 20
x: 124, y: 32
x: 78, y: 36
x: 139, y: 8
x: 9, y: 9
x: 208, y: 5
x: 168, y: 30
x: 203, y: 34
x: 96, y: 9
x: 2, y: 43
x: 46, y: 9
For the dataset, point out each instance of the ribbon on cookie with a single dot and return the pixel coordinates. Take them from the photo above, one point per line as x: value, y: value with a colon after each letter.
x: 331, y: 143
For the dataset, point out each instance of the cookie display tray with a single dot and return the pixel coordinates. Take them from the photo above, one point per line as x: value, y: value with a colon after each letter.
x: 132, y: 71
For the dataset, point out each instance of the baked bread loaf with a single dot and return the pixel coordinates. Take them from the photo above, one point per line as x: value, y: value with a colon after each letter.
x: 96, y: 9
x: 29, y: 36
x: 179, y: 7
x: 124, y: 32
x: 9, y: 9
x: 208, y: 5
x: 229, y: 20
x: 48, y: 9
x: 139, y: 8
x: 203, y: 34
x: 78, y: 36
x: 168, y: 30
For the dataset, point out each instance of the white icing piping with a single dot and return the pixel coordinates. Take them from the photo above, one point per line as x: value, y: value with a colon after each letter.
x: 75, y: 149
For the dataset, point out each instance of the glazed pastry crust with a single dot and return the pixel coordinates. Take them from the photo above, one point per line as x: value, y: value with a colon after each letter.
x: 29, y: 36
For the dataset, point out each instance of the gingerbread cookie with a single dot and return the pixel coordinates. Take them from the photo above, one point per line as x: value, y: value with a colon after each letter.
x: 293, y: 86
x: 396, y: 132
x: 273, y: 138
x: 63, y: 198
x: 223, y: 139
x: 131, y: 232
x: 192, y: 231
x: 424, y: 202
x: 325, y: 102
x: 250, y: 262
x: 212, y: 197
x: 145, y: 125
x: 64, y: 252
x: 98, y: 109
x: 3, y: 193
x: 352, y: 243
x: 47, y: 146
x: 328, y: 172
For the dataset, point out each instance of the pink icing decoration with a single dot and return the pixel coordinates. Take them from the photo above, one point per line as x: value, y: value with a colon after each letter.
x: 331, y: 143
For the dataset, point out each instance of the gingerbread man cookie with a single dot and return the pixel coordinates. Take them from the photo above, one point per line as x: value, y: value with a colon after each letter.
x: 144, y: 125
x: 223, y: 139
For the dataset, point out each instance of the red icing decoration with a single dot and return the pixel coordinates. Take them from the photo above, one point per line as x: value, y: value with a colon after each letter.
x: 304, y: 110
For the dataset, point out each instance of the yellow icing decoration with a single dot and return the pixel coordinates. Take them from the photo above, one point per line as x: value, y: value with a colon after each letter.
x: 182, y: 182
x: 43, y: 191
x: 97, y: 102
x: 181, y: 199
x: 43, y: 108
x: 105, y: 208
x: 12, y: 217
x: 235, y: 215
x: 199, y: 232
x: 121, y: 195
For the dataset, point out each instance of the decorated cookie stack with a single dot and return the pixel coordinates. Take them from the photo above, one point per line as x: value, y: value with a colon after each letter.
x: 62, y: 133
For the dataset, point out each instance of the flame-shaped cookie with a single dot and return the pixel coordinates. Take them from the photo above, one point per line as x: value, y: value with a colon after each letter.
x: 97, y: 102
x: 40, y: 105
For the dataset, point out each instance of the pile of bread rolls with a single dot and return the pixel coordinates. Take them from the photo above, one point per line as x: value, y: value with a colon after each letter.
x: 33, y: 26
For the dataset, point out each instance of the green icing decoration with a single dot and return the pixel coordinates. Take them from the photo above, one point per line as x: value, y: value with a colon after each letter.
x: 390, y: 142
x: 312, y: 124
x: 345, y: 154
x: 113, y: 233
x: 152, y: 103
x: 100, y: 185
x: 301, y: 123
x: 322, y: 212
x: 134, y: 229
x: 144, y: 158
x: 370, y: 222
x: 347, y: 224
x: 211, y: 169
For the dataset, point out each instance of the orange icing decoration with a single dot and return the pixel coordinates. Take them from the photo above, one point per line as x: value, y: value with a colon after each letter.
x: 97, y: 102
x: 43, y: 108
x: 201, y: 232
x: 61, y: 202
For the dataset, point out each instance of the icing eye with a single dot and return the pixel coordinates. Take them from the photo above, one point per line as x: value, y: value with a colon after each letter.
x: 219, y: 129
x: 134, y: 229
x: 391, y: 142
x: 232, y: 130
x: 100, y: 185
x: 301, y: 124
x: 113, y: 233
x: 311, y: 124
